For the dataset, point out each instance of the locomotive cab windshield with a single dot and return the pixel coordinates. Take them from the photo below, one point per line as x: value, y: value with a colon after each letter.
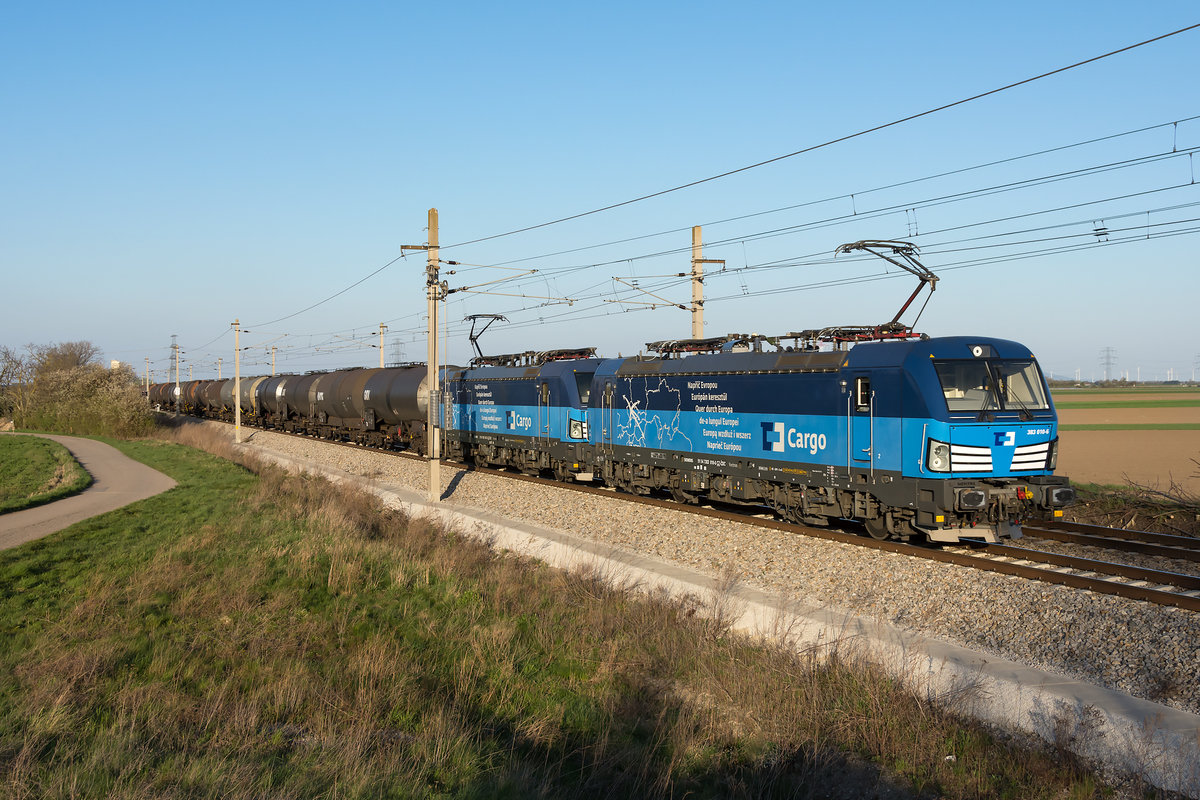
x: 986, y: 386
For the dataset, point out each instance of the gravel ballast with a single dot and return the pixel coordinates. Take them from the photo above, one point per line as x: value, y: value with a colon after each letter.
x: 1145, y: 650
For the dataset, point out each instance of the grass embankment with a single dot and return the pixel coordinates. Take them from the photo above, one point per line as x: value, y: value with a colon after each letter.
x: 34, y: 471
x: 244, y: 636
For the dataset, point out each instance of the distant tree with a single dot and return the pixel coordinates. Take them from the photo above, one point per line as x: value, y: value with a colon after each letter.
x: 10, y: 364
x: 54, y: 357
x: 9, y: 359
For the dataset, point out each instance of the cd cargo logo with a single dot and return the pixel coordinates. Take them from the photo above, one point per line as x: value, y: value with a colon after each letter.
x: 777, y: 439
x: 772, y: 437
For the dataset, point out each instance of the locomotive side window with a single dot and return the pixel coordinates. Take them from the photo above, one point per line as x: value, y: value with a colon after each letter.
x: 862, y: 394
x: 583, y: 380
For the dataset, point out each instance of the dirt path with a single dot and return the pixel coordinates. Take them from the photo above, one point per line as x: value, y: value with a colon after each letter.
x: 117, y: 481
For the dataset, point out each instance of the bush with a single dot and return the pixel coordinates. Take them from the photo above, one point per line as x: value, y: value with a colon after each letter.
x: 72, y: 395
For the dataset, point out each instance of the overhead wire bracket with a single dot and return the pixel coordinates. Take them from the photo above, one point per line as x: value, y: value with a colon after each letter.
x: 663, y: 301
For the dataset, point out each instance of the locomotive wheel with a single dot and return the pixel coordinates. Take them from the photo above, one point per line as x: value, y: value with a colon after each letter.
x: 680, y: 496
x: 877, y: 528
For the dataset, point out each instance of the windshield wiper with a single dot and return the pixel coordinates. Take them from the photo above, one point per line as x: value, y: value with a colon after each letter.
x: 1026, y: 415
x: 1004, y: 389
x: 988, y: 400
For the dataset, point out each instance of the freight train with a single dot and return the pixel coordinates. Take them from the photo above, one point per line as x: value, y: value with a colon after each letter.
x: 944, y: 439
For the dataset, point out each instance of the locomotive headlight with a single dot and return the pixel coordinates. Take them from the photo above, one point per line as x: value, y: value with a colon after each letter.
x: 1063, y: 496
x: 1052, y: 456
x: 971, y: 499
x: 938, y: 459
x: 576, y: 429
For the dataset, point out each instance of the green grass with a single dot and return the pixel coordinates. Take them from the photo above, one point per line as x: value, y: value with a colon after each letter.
x: 1133, y: 426
x: 1191, y: 403
x: 244, y: 636
x: 34, y: 471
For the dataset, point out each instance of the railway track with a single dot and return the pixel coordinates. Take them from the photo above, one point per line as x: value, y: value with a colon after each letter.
x: 1144, y: 542
x: 1124, y: 580
x: 1136, y: 583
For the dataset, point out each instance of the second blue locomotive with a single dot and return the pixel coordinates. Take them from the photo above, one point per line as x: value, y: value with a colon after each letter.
x: 945, y: 438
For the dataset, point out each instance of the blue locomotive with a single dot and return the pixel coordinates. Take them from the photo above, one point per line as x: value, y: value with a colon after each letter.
x: 944, y: 438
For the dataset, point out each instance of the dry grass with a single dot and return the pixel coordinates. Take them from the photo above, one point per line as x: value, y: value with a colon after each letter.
x: 1173, y: 511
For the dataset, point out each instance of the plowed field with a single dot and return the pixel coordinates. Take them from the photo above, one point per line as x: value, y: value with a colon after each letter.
x: 1138, y: 453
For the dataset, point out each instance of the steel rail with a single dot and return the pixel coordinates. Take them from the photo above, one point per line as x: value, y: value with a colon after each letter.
x: 1176, y: 579
x: 1111, y: 541
x: 1168, y: 539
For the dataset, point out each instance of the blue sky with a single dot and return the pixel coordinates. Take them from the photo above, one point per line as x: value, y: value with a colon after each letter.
x: 167, y: 168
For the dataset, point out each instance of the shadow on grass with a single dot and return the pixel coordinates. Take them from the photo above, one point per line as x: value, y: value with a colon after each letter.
x: 645, y: 756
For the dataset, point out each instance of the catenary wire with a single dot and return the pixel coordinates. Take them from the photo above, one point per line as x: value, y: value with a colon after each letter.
x: 859, y: 193
x: 866, y: 214
x: 765, y: 162
x: 830, y: 142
